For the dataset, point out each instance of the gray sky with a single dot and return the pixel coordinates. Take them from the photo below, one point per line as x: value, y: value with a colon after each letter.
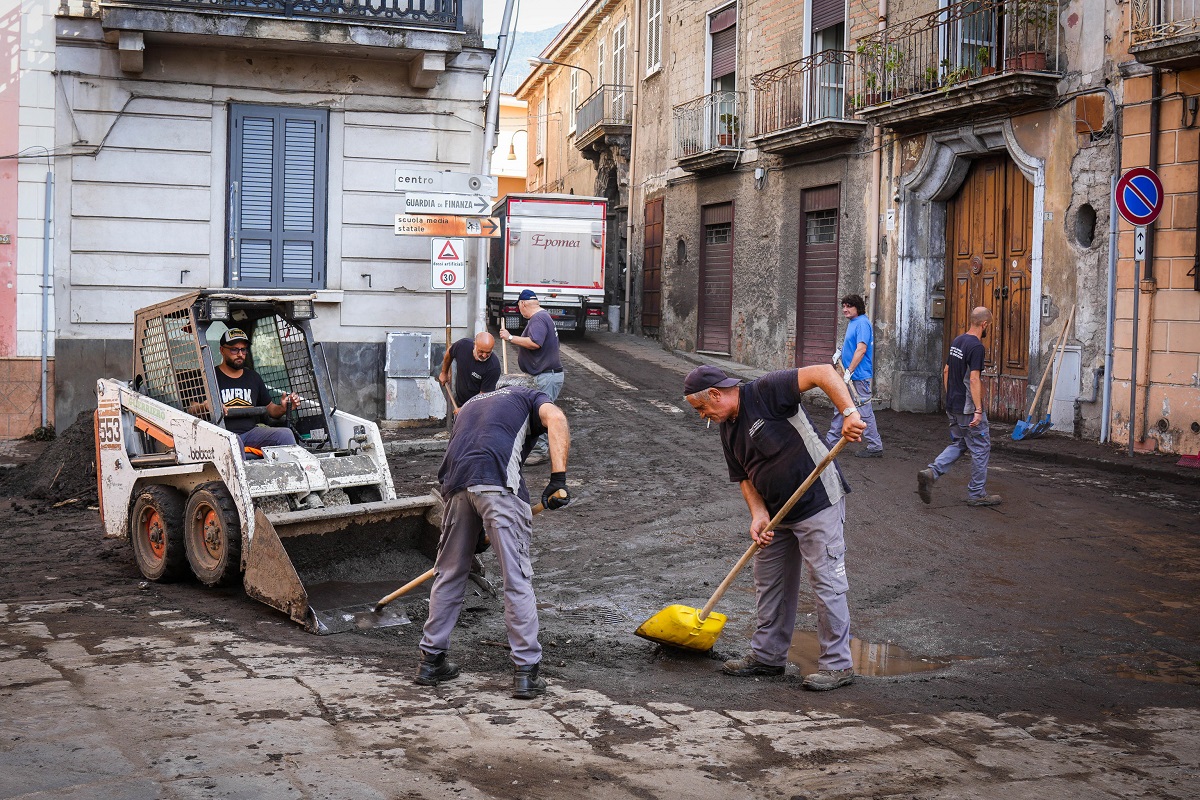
x: 532, y: 15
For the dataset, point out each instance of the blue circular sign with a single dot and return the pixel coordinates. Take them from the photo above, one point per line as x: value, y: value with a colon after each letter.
x: 1139, y: 196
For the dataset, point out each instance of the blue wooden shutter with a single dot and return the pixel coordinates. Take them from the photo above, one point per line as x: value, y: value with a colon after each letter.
x: 278, y: 168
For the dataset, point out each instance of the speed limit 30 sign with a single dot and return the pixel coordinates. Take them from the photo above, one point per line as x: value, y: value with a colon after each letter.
x: 449, y: 263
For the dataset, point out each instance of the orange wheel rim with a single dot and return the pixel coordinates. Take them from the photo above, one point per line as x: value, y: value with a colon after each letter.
x: 152, y: 530
x: 214, y: 540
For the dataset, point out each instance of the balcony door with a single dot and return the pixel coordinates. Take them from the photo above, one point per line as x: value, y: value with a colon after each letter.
x: 828, y: 24
x: 716, y: 279
x: 989, y: 230
x: 817, y: 306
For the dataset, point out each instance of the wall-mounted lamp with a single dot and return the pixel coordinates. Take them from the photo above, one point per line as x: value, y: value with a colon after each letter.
x: 512, y: 150
x: 535, y: 60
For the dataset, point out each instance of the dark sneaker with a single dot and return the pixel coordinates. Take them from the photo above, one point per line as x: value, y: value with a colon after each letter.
x: 827, y: 679
x: 868, y: 453
x: 536, y: 458
x: 747, y: 666
x: 925, y: 481
x: 435, y: 669
x: 527, y: 684
x: 986, y: 500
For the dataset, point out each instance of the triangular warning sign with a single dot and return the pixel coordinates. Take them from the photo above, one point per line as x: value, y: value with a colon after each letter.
x: 448, y: 253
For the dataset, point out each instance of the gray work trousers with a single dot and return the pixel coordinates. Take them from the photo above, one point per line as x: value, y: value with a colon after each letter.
x: 963, y: 438
x: 818, y: 543
x: 551, y: 383
x: 508, y: 522
x: 866, y: 411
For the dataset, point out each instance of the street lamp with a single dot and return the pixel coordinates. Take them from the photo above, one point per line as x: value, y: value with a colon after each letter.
x: 535, y: 60
x: 512, y: 150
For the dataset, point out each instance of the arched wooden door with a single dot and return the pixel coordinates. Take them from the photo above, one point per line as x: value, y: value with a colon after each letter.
x: 989, y: 232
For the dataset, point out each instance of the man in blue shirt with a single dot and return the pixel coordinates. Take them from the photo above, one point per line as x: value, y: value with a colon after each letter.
x: 856, y: 361
x: 538, y: 356
x: 484, y: 492
x: 475, y: 365
x: 964, y: 406
x: 771, y: 447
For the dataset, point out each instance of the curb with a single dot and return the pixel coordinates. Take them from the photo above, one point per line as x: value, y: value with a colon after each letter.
x: 414, y: 446
x: 1171, y: 473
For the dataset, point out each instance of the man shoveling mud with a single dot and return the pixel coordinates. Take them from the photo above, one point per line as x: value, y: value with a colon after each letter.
x: 484, y: 492
x: 770, y: 447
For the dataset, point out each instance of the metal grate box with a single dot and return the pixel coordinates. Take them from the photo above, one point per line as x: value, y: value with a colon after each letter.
x: 407, y: 354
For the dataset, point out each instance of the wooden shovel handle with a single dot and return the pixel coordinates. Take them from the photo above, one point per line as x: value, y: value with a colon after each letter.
x: 1058, y: 356
x: 503, y: 344
x: 783, y: 512
x: 450, y: 397
x: 424, y: 576
x: 1061, y: 340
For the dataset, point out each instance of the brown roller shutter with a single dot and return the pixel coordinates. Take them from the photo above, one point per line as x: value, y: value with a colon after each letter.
x: 827, y: 13
x: 716, y: 279
x: 652, y: 266
x: 817, y: 282
x: 724, y: 52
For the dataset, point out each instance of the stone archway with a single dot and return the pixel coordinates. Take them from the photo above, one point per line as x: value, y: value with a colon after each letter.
x: 924, y: 191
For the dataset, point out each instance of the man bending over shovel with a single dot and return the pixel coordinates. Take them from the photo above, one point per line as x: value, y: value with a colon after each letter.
x: 770, y: 447
x: 484, y: 492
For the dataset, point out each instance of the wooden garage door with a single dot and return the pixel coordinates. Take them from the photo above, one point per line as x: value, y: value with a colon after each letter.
x: 817, y: 280
x: 652, y: 267
x: 716, y: 279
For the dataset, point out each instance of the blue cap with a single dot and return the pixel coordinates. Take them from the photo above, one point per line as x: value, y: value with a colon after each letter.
x: 528, y: 294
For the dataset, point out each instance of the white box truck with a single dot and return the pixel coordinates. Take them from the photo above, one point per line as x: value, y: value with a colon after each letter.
x: 553, y: 244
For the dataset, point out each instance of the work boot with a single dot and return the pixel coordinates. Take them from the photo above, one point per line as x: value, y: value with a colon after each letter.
x: 527, y: 684
x: 866, y: 452
x: 435, y: 669
x: 925, y: 481
x: 986, y: 500
x: 748, y: 665
x: 826, y: 679
x: 537, y: 457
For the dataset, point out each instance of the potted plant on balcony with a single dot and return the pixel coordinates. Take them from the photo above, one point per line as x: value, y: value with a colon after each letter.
x: 984, y: 56
x: 727, y: 135
x: 1035, y: 20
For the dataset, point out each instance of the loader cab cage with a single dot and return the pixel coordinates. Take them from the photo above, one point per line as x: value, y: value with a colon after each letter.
x: 177, y: 351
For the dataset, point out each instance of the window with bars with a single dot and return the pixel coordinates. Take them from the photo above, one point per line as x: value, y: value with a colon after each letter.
x: 720, y: 233
x: 277, y: 197
x: 653, y: 35
x: 821, y: 226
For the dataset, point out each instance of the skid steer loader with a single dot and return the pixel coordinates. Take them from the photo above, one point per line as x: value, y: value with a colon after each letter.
x: 188, y: 495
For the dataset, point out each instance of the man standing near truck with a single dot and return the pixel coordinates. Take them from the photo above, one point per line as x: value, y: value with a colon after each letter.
x: 538, y: 356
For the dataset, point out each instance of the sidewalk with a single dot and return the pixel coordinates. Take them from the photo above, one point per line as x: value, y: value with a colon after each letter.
x: 1052, y: 447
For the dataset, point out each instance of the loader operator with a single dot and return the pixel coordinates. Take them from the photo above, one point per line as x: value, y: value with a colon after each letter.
x: 770, y: 448
x: 476, y: 366
x: 242, y: 387
x: 484, y: 492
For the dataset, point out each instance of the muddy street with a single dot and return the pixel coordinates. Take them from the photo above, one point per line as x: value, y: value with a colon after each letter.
x: 1048, y: 647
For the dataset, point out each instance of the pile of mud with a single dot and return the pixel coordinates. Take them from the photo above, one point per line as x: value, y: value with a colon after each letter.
x: 65, y: 470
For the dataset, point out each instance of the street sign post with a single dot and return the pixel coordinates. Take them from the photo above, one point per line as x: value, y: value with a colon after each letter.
x: 1139, y: 196
x: 446, y: 225
x: 421, y: 180
x: 1139, y: 243
x: 448, y: 262
x: 461, y: 205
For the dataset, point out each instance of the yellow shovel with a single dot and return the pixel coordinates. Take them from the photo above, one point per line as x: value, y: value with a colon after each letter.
x: 687, y: 627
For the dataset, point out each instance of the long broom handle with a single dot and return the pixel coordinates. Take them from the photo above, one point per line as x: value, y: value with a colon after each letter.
x: 1042, y: 382
x: 450, y: 397
x: 783, y: 512
x: 1059, y: 353
x: 424, y: 576
x: 503, y: 343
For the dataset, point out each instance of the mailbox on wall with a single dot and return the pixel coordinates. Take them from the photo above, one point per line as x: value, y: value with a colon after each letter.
x: 937, y: 306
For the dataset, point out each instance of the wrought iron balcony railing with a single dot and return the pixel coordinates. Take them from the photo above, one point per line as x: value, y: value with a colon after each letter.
x: 611, y: 104
x: 439, y: 13
x: 710, y: 122
x: 1161, y: 20
x: 802, y: 92
x: 956, y: 44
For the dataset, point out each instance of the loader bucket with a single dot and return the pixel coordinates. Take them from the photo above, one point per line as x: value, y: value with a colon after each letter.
x: 325, y: 568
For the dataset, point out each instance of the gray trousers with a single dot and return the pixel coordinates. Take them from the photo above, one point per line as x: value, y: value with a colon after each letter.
x: 818, y: 543
x: 866, y: 411
x: 963, y: 438
x: 551, y: 383
x: 508, y: 522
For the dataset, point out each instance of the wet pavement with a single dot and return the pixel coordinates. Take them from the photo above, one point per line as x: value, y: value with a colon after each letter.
x: 1045, y: 648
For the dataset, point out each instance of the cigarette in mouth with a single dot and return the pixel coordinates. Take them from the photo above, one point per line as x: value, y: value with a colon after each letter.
x: 708, y: 425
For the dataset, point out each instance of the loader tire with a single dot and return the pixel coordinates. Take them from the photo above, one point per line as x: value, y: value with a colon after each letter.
x: 156, y: 533
x: 213, y: 535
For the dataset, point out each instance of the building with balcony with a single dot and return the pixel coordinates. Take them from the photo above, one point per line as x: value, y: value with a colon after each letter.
x: 188, y: 143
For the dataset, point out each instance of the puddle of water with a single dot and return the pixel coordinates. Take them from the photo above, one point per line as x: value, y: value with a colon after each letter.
x: 870, y: 659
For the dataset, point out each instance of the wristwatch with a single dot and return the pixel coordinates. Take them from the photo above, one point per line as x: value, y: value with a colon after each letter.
x: 848, y: 410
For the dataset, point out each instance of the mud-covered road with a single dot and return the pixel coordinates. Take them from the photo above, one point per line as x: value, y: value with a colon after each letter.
x: 1047, y: 647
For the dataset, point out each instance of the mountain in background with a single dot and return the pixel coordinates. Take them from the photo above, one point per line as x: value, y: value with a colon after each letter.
x: 526, y: 44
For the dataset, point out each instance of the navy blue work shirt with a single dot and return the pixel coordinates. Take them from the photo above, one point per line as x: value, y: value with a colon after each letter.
x: 540, y: 328
x: 493, y: 434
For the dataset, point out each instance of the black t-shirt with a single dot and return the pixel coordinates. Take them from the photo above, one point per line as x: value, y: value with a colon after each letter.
x: 966, y: 356
x: 473, y: 376
x: 242, y: 392
x: 493, y: 434
x: 775, y: 445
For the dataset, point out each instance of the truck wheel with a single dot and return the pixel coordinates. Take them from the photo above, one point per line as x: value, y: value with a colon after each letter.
x: 213, y: 535
x: 156, y: 532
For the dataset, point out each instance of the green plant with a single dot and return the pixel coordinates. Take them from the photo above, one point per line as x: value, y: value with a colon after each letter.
x: 984, y: 56
x: 729, y: 124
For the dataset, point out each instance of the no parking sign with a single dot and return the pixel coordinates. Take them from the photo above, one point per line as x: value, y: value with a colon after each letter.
x: 1139, y: 196
x: 449, y: 263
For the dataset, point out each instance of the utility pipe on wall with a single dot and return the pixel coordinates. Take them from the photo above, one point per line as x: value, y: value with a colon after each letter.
x: 47, y: 233
x: 627, y: 325
x: 873, y: 203
x: 1148, y: 270
x: 1111, y: 310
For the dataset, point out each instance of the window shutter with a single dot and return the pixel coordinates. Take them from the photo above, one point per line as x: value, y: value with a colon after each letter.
x: 654, y: 34
x: 827, y: 13
x: 724, y: 52
x: 278, y: 162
